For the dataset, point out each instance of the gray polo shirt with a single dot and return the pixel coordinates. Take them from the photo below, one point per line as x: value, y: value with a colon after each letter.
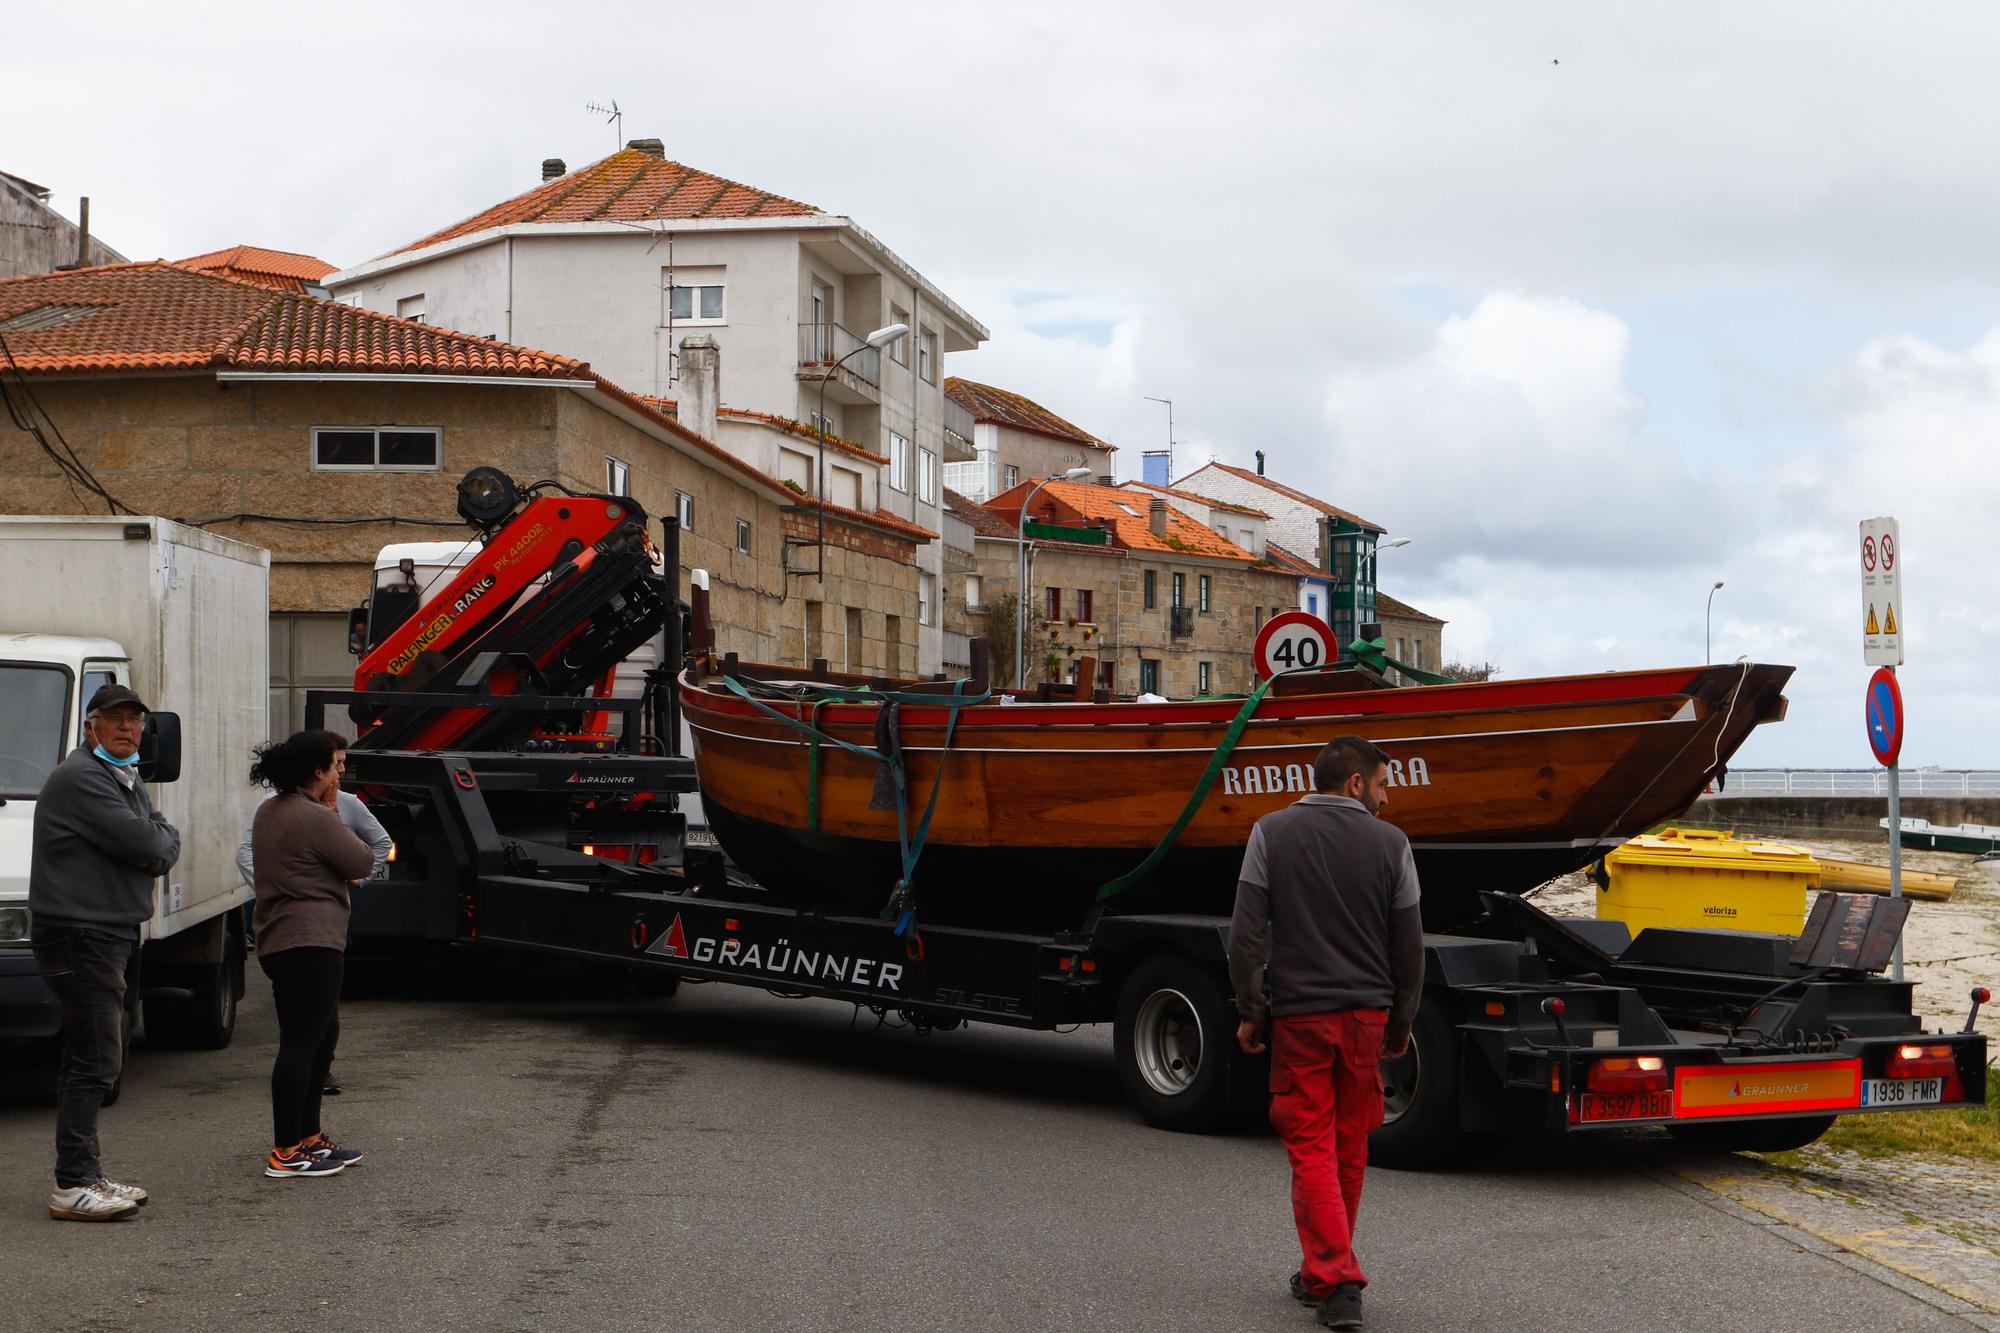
x: 1326, y: 892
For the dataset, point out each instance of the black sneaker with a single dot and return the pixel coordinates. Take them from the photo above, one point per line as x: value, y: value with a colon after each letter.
x: 1342, y: 1309
x: 319, y: 1145
x: 1303, y: 1294
x: 297, y: 1162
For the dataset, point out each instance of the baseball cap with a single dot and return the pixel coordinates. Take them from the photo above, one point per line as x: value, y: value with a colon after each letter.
x: 115, y: 696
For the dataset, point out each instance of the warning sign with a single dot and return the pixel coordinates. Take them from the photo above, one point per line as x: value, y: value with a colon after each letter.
x: 1881, y: 592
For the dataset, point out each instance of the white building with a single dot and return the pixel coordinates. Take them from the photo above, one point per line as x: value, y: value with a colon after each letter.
x: 623, y: 262
x: 1016, y: 439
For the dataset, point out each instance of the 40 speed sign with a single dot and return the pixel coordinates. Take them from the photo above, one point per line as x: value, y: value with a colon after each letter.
x: 1293, y: 640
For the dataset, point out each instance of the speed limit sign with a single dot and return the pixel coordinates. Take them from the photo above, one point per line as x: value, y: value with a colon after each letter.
x: 1291, y: 641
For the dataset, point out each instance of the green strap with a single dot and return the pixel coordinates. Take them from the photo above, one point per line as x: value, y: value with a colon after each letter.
x: 1374, y: 653
x: 1196, y: 797
x: 812, y: 771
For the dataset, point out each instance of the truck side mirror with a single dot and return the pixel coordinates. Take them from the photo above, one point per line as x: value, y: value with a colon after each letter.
x: 160, y: 748
x: 357, y: 630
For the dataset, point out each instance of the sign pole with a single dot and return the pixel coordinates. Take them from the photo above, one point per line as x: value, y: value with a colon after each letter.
x: 1896, y: 852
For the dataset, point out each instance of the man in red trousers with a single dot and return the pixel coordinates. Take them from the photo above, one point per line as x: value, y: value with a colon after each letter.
x: 1326, y: 949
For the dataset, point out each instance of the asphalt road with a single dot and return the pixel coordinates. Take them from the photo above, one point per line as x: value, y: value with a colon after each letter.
x: 538, y: 1158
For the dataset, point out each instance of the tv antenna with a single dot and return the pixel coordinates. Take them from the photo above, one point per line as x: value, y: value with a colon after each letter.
x: 612, y: 117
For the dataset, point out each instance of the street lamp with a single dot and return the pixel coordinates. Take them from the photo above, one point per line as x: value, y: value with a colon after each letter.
x: 882, y: 337
x: 1706, y: 618
x: 1389, y: 545
x: 1021, y: 552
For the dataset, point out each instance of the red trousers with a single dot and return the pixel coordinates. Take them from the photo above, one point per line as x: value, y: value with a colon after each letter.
x: 1326, y: 1095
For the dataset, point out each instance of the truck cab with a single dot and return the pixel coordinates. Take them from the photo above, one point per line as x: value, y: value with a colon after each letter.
x: 46, y: 681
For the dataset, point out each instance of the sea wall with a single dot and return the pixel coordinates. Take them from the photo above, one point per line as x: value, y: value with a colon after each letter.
x: 1837, y: 814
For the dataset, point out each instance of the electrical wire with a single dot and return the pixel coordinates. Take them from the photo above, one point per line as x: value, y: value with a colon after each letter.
x: 73, y: 469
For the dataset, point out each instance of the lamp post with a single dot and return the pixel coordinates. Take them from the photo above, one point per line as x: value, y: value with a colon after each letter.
x: 1706, y: 618
x: 1021, y: 552
x: 1381, y: 546
x: 880, y: 338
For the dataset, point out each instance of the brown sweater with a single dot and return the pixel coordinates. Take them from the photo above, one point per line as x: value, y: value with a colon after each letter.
x: 304, y: 858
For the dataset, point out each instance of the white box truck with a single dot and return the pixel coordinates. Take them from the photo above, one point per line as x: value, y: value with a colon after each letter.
x: 181, y: 616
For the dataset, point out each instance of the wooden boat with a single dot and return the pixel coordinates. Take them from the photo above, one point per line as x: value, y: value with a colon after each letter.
x: 1865, y: 877
x: 1499, y: 785
x: 1926, y: 836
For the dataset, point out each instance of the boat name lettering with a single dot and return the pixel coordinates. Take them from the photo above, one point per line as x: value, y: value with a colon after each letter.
x: 779, y: 959
x: 1278, y: 779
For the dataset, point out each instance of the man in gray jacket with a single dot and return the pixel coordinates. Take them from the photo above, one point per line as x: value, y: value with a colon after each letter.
x: 99, y: 845
x: 1327, y: 916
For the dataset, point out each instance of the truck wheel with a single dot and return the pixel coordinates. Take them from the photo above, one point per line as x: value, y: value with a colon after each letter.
x: 1754, y: 1135
x: 208, y: 1017
x: 1420, y: 1125
x: 1173, y: 1039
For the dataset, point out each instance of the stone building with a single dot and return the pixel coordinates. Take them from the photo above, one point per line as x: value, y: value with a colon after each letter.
x: 325, y: 432
x: 1163, y: 603
x: 626, y: 260
x: 1016, y: 439
x: 35, y: 238
x: 1410, y: 635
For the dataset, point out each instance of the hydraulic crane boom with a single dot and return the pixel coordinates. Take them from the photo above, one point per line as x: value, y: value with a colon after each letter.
x: 562, y: 590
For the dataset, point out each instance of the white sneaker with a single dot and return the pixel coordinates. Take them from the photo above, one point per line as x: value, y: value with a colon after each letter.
x: 87, y: 1203
x: 118, y: 1191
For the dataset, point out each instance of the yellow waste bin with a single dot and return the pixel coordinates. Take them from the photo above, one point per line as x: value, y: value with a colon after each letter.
x: 1705, y: 877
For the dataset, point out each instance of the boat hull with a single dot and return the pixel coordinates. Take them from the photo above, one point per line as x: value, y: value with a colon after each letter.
x: 1499, y: 787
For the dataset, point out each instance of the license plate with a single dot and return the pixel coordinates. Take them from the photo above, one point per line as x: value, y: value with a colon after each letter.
x: 699, y: 836
x: 1901, y: 1091
x: 1627, y: 1105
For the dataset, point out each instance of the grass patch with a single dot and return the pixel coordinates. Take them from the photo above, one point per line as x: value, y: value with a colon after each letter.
x: 1972, y: 1131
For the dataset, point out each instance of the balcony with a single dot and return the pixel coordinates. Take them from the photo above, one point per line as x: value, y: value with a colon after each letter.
x: 1180, y: 622
x: 822, y: 346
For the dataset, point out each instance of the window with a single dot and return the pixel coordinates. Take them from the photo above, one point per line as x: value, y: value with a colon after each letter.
x: 821, y: 423
x: 377, y: 448
x: 693, y: 295
x: 1107, y: 674
x: 684, y: 508
x: 743, y: 536
x: 973, y: 593
x: 1052, y: 604
x: 1127, y: 508
x: 1256, y: 617
x: 1312, y: 603
x: 1180, y: 590
x: 411, y: 307
x: 899, y: 350
x: 927, y: 356
x: 926, y: 598
x: 899, y: 462
x: 1013, y: 477
x: 1083, y: 605
x: 1201, y: 593
x: 1150, y: 591
x: 1149, y: 675
x: 1201, y: 672
x: 31, y: 727
x: 927, y: 476
x: 617, y: 477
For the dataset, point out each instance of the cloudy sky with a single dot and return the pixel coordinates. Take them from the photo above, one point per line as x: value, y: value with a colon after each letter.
x: 1597, y: 303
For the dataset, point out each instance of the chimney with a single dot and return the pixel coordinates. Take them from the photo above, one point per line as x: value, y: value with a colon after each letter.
x: 83, y: 233
x: 700, y: 383
x: 650, y: 147
x: 1260, y: 462
x: 1156, y: 516
x: 553, y: 167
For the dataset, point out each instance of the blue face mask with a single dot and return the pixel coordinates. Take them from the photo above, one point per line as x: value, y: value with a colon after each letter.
x: 126, y: 762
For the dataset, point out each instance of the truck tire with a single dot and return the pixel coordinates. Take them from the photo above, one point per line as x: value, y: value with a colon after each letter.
x: 208, y: 1016
x: 1174, y: 1037
x: 1754, y: 1135
x: 1420, y: 1122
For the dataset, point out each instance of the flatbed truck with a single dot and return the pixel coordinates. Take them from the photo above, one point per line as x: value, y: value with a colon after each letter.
x: 567, y: 840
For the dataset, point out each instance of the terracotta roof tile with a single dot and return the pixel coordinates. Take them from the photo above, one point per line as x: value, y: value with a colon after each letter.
x: 280, y: 270
x: 987, y: 403
x: 628, y: 186
x: 801, y: 430
x: 160, y: 316
x: 1131, y: 526
x: 1281, y: 559
x: 1225, y: 506
x: 983, y: 520
x: 1385, y: 605
x: 1298, y: 495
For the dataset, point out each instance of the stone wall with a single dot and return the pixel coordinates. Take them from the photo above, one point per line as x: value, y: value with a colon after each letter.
x: 1418, y: 642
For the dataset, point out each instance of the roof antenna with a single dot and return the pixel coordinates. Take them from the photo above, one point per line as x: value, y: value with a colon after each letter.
x: 612, y: 117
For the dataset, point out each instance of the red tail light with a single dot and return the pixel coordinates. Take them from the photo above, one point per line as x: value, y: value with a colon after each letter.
x: 1627, y: 1073
x: 1923, y: 1061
